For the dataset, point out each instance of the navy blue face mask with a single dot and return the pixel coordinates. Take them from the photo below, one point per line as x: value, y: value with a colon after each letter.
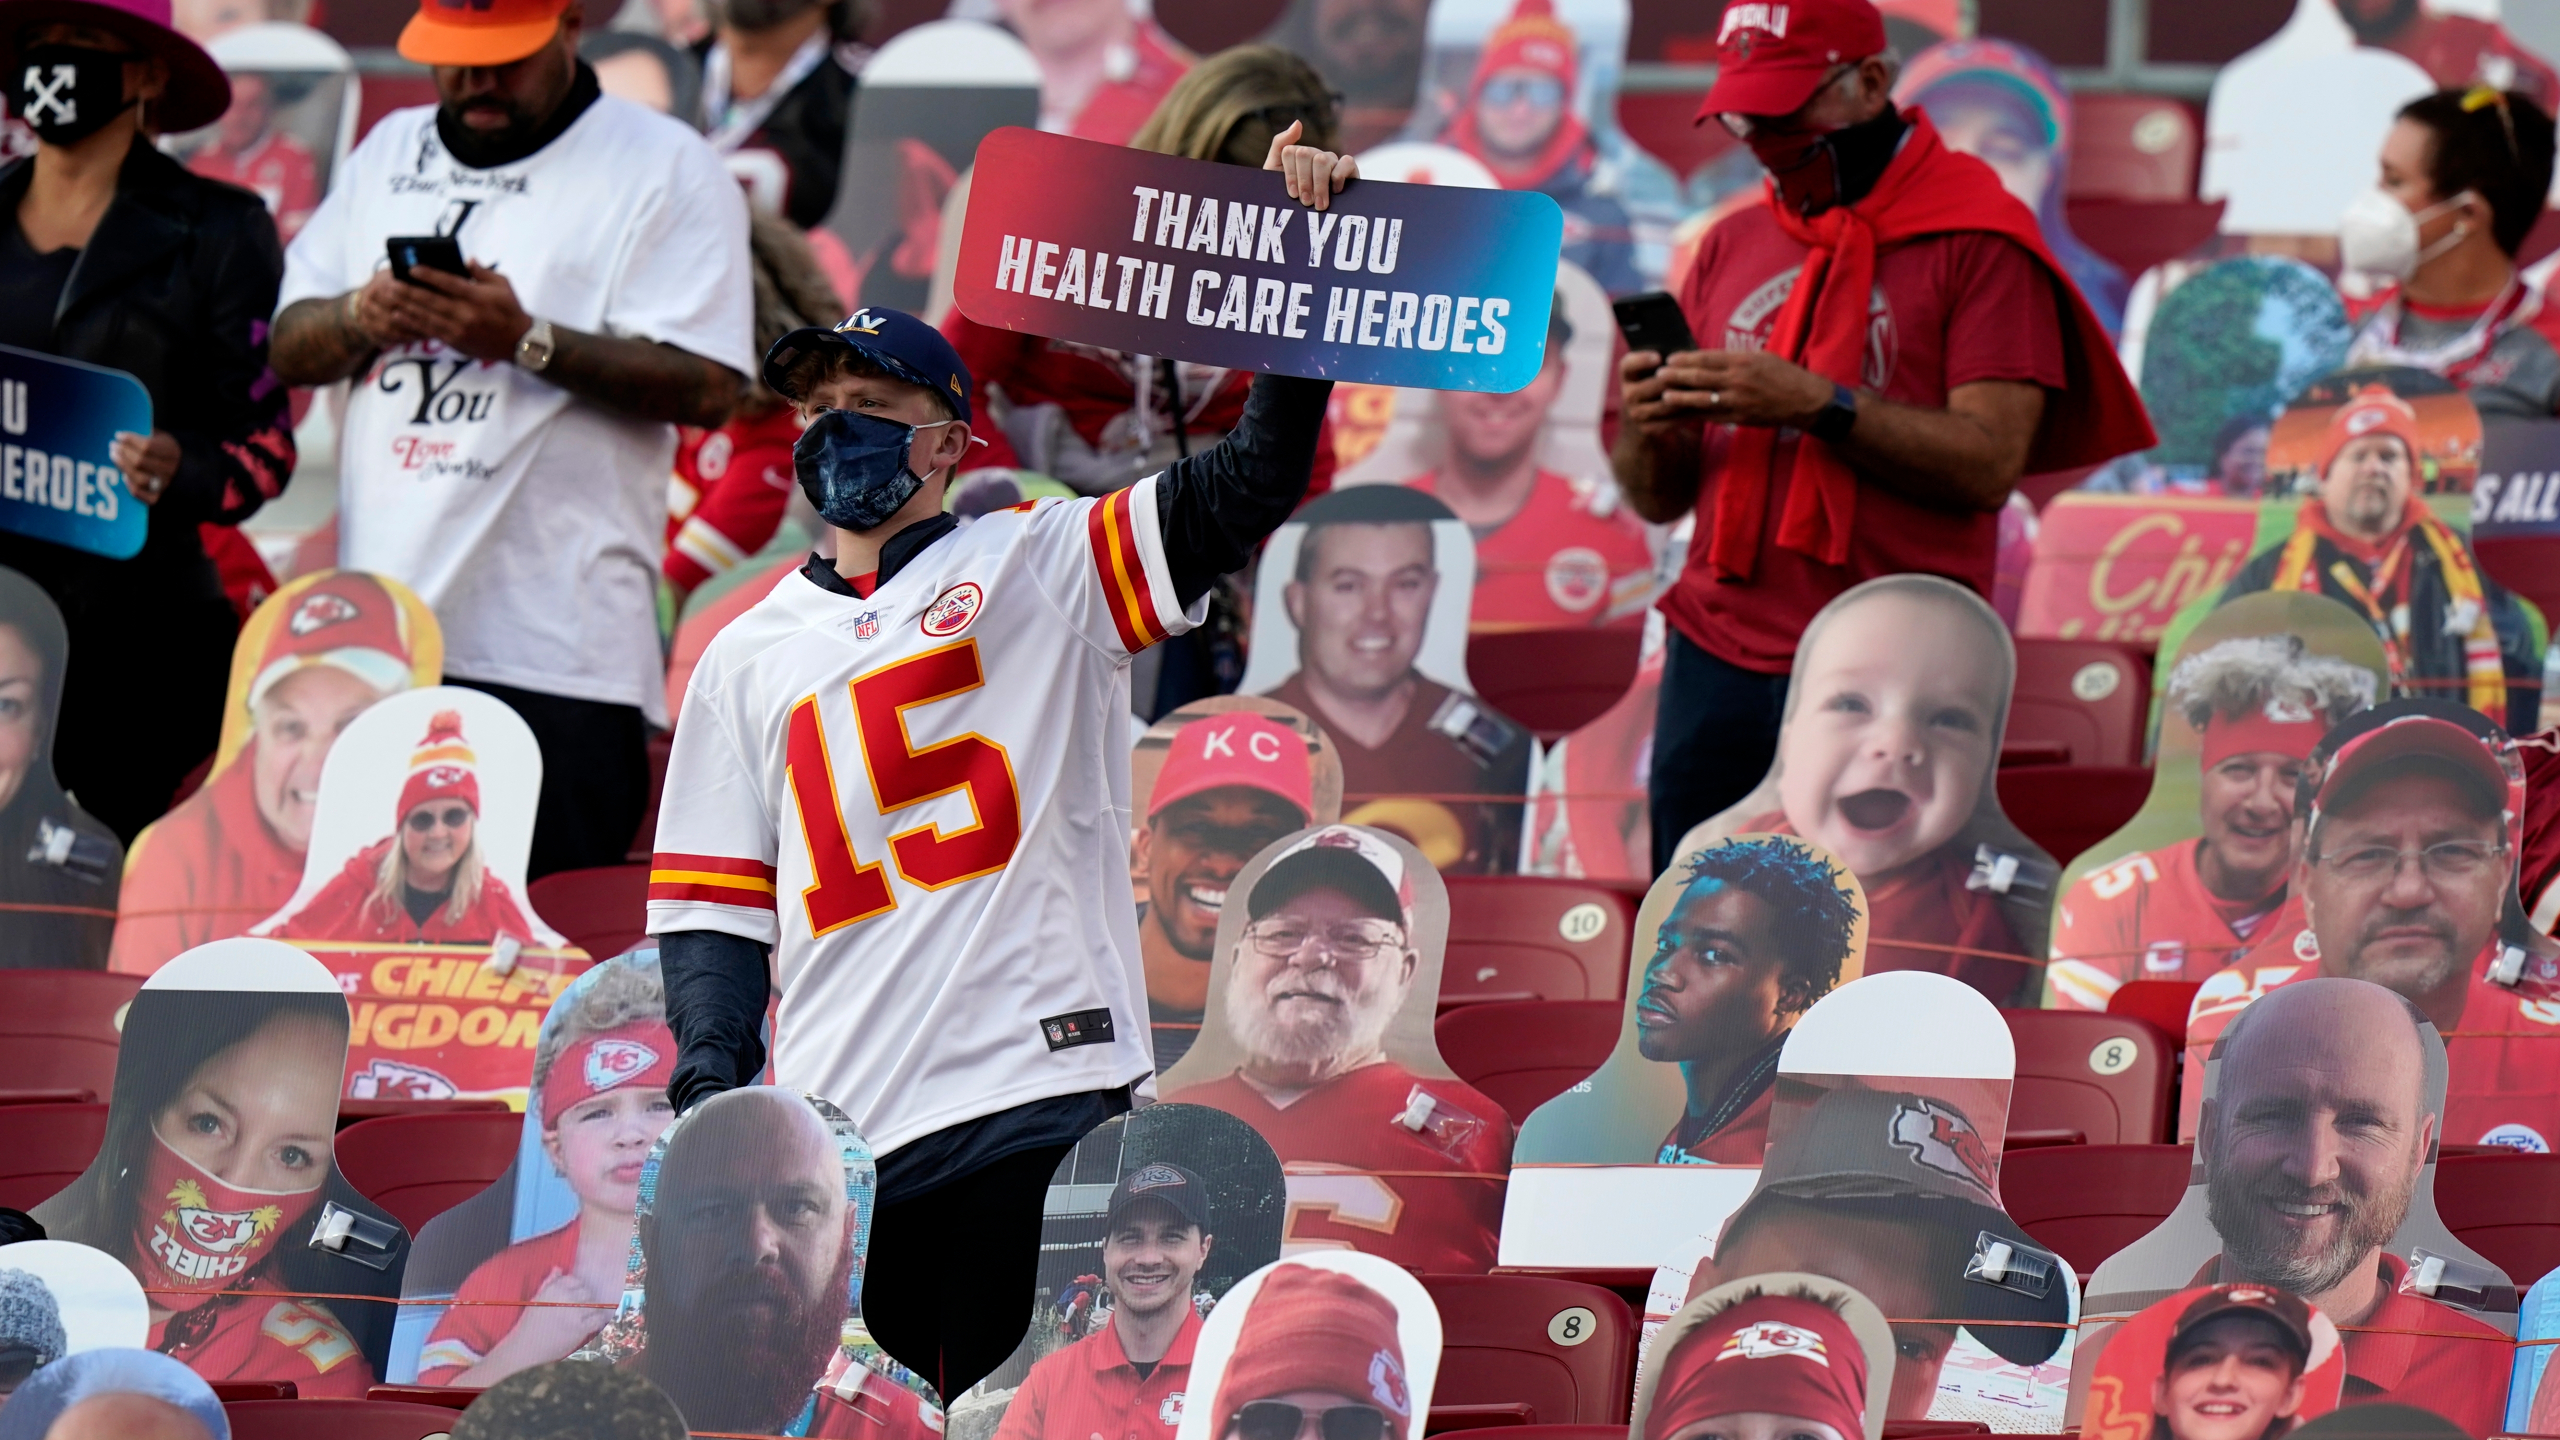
x: 853, y: 467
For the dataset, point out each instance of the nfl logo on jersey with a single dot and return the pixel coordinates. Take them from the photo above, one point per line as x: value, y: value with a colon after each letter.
x: 866, y: 625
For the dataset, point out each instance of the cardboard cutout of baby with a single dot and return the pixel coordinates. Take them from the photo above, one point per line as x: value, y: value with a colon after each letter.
x: 799, y: 1360
x: 1212, y: 783
x: 1152, y: 1219
x: 412, y: 893
x: 2180, y: 890
x: 1888, y: 758
x: 115, y: 1392
x: 524, y: 1272
x: 1331, y: 1335
x: 321, y: 651
x: 2407, y: 879
x: 1326, y: 980
x: 1360, y: 624
x: 1734, y: 944
x: 2315, y: 1173
x: 1806, y: 1350
x: 58, y: 866
x: 216, y: 1185
x: 571, y: 1400
x: 2213, y: 1362
x: 59, y: 1299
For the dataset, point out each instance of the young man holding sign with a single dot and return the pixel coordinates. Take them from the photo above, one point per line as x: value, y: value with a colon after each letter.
x: 904, y: 775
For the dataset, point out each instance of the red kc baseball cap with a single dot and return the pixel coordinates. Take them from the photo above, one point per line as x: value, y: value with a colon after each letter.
x: 479, y: 32
x: 1770, y: 54
x: 1236, y: 748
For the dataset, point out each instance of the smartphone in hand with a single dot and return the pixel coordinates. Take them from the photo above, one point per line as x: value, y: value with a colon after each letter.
x: 1652, y: 321
x: 425, y: 252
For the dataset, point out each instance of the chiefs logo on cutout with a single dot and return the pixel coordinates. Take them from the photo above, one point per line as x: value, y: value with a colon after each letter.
x: 218, y: 1232
x: 614, y: 1062
x: 391, y: 1080
x: 1386, y: 1383
x: 1943, y: 1141
x: 319, y: 612
x: 1577, y: 578
x: 1772, y: 1340
x: 953, y: 609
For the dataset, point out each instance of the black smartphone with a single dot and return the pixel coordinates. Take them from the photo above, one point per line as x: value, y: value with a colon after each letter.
x: 1652, y: 321
x: 425, y: 252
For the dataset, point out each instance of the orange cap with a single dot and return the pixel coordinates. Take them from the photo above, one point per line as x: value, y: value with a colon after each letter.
x: 479, y: 32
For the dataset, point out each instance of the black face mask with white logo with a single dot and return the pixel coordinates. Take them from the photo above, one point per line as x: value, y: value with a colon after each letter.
x: 67, y: 93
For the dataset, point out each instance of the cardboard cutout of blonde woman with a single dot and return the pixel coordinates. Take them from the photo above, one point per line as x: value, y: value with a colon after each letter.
x: 1808, y: 1351
x: 411, y: 893
x: 1888, y: 757
x: 1326, y: 980
x: 1733, y: 946
x: 59, y: 1299
x: 2212, y: 1362
x: 2179, y: 891
x: 118, y: 1392
x: 1333, y: 1341
x: 2315, y: 1173
x: 1212, y: 783
x: 1360, y: 624
x: 216, y: 1185
x: 2407, y: 878
x: 525, y: 1271
x: 321, y: 651
x: 58, y: 867
x: 1883, y: 1172
x: 1152, y: 1219
x: 766, y: 1194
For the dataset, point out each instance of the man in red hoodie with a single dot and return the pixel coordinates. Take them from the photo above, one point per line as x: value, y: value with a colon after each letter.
x: 1886, y: 346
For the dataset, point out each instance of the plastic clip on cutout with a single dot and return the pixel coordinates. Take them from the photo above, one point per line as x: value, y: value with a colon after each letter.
x: 65, y: 848
x: 2508, y: 968
x: 502, y: 955
x: 2454, y: 1281
x: 1999, y: 1262
x: 2002, y: 873
x: 353, y: 1236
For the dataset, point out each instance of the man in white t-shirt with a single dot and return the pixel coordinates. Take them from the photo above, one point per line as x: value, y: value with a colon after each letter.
x: 506, y: 445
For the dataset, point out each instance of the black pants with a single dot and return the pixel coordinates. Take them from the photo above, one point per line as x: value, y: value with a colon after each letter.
x: 947, y: 1288
x: 1715, y: 731
x: 595, y: 776
x: 142, y: 707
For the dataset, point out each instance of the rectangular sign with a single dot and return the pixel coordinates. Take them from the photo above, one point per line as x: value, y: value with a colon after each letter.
x: 1426, y: 286
x: 2518, y: 492
x: 442, y: 1022
x: 58, y: 423
x: 2117, y: 567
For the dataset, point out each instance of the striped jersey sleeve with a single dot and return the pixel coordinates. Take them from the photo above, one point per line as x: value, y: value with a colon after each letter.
x: 1103, y: 561
x: 714, y: 863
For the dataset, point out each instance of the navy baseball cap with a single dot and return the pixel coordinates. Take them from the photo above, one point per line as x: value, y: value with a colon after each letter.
x: 1168, y: 1184
x: 894, y: 340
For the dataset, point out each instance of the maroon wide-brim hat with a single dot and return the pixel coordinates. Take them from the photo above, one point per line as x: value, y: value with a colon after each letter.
x: 198, y: 91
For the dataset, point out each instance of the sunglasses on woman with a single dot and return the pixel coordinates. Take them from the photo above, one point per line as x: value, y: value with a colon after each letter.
x: 1279, y: 1420
x: 452, y: 818
x: 17, y: 1362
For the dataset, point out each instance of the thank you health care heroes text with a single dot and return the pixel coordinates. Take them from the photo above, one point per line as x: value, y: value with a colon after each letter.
x: 1415, y: 285
x: 58, y: 480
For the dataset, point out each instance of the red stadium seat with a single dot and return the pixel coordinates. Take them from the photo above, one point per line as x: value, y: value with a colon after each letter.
x: 1553, y: 681
x: 2103, y: 1076
x: 1531, y: 937
x: 2164, y: 1003
x: 419, y: 1166
x: 2507, y: 1207
x: 337, y: 1420
x: 2066, y: 809
x: 2133, y: 147
x: 227, y: 1391
x: 451, y: 1397
x: 354, y: 1112
x: 2138, y: 234
x: 2089, y: 699
x: 2086, y: 1202
x: 1459, y: 1421
x: 59, y: 1028
x: 604, y: 911
x: 1522, y: 1054
x: 2527, y: 564
x: 1562, y: 1351
x: 44, y: 1148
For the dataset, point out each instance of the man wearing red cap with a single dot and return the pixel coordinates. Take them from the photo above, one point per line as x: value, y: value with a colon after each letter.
x: 1770, y: 1355
x: 231, y: 854
x: 1518, y: 118
x: 1318, y: 1352
x: 2371, y: 543
x: 2260, y: 704
x: 1231, y: 784
x: 1885, y: 347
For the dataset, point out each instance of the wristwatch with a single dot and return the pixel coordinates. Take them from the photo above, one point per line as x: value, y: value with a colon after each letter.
x: 1837, y: 418
x: 533, y: 352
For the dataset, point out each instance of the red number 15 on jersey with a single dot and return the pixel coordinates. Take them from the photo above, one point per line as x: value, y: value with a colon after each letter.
x: 845, y: 888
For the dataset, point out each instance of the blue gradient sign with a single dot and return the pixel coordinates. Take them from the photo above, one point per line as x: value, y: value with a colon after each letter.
x: 58, y: 480
x: 1418, y: 285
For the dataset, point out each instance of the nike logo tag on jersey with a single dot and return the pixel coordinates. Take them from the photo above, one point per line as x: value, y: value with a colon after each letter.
x: 1084, y: 1027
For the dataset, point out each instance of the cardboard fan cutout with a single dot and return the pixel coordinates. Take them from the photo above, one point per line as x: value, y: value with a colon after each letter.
x: 1151, y: 1220
x: 556, y: 1228
x: 2293, y: 125
x: 1883, y: 1172
x: 59, y: 1299
x: 1371, y: 53
x: 294, y: 98
x: 1665, y: 1135
x: 800, y: 1362
x: 2213, y: 1360
x: 1318, y: 1035
x: 1787, y: 1344
x: 115, y: 1392
x: 1212, y: 784
x: 1588, y: 811
x: 216, y: 1185
x: 1360, y: 624
x: 59, y: 868
x: 1351, y: 1328
x: 318, y: 653
x: 571, y: 1400
x: 2180, y: 890
x: 2533, y: 1395
x: 413, y: 894
x: 2315, y: 1172
x: 1888, y: 757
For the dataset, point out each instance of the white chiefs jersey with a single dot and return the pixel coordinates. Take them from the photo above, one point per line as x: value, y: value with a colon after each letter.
x: 921, y: 801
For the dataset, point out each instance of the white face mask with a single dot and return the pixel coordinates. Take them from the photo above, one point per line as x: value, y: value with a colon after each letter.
x: 2379, y: 236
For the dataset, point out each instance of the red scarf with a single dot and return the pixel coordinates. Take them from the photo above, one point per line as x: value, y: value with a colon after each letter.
x: 1928, y: 189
